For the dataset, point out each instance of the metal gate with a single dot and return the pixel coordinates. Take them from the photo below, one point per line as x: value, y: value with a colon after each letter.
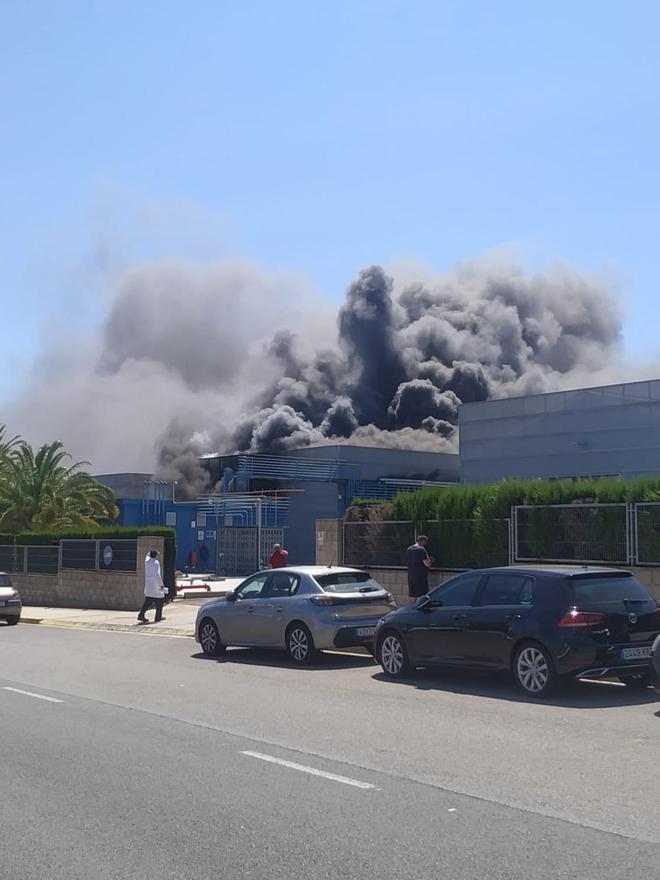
x: 245, y: 549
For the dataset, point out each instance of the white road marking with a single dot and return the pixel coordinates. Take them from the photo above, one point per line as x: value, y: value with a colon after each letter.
x: 30, y: 694
x: 333, y: 777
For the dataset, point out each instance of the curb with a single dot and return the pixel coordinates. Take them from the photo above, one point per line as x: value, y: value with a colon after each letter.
x: 136, y: 628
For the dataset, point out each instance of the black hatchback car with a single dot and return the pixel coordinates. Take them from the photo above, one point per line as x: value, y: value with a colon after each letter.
x: 543, y: 624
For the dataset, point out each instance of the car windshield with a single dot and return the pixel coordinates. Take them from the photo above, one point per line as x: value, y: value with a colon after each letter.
x: 608, y: 589
x: 5, y: 580
x: 347, y: 582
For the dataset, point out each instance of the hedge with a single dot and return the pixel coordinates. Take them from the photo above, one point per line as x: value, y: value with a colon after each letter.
x: 104, y: 532
x: 469, y: 534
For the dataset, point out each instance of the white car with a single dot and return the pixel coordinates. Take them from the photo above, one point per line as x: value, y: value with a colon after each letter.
x: 300, y: 609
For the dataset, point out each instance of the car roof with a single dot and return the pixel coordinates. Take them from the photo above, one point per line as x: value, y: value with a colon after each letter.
x: 562, y: 570
x: 315, y: 570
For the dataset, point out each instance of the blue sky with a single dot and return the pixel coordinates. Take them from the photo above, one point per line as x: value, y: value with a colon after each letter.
x: 321, y: 137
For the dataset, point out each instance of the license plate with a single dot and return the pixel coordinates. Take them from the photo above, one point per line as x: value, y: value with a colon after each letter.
x: 365, y: 631
x: 635, y: 653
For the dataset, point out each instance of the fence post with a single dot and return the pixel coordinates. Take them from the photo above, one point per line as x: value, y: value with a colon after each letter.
x: 25, y: 559
x: 514, y: 537
x: 97, y: 555
x: 509, y: 526
x: 631, y: 534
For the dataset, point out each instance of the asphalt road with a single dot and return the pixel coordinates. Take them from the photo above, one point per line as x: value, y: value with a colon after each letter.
x: 149, y: 761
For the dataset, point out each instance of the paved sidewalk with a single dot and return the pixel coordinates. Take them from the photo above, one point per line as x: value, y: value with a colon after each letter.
x: 179, y: 618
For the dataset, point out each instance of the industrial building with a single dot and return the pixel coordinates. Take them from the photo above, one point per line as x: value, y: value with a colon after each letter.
x: 260, y: 499
x: 612, y: 431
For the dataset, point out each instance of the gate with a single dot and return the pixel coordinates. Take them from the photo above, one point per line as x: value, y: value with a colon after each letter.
x: 243, y: 550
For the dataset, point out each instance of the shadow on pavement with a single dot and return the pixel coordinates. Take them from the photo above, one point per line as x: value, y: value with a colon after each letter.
x: 582, y: 694
x: 279, y: 660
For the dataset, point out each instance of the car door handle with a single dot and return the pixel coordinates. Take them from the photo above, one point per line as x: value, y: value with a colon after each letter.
x: 250, y: 609
x: 511, y: 617
x: 279, y: 609
x: 460, y: 617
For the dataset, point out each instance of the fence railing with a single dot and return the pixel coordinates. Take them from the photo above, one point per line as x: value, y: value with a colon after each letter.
x: 614, y: 534
x: 597, y: 533
x: 87, y: 555
x: 377, y: 544
x: 453, y: 543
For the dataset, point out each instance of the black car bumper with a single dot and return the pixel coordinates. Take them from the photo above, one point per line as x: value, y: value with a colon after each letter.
x: 11, y: 610
x: 599, y: 661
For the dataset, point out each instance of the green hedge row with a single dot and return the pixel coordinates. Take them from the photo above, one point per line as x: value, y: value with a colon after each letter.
x: 107, y: 532
x: 495, y: 501
x: 471, y: 531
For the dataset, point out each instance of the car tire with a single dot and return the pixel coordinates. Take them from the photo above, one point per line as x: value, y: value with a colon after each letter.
x: 209, y: 638
x: 638, y: 680
x: 534, y: 671
x: 300, y: 644
x: 392, y: 655
x: 12, y: 621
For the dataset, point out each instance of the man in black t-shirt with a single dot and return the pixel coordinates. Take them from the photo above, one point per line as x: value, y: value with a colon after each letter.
x: 419, y: 562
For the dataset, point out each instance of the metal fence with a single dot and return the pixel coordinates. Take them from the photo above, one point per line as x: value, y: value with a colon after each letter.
x: 615, y: 534
x: 597, y: 533
x: 452, y: 543
x: 646, y: 538
x: 88, y: 555
x: 377, y: 544
x: 244, y: 549
x: 468, y: 543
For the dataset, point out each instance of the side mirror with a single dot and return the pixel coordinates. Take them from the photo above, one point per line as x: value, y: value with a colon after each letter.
x: 231, y: 597
x: 423, y: 603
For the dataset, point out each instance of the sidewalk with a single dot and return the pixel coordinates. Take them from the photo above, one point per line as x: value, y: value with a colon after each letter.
x: 179, y: 616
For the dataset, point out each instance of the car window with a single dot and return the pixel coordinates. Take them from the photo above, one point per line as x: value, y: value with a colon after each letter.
x: 607, y: 589
x: 347, y: 582
x: 282, y: 584
x: 507, y: 589
x: 253, y: 587
x: 459, y: 591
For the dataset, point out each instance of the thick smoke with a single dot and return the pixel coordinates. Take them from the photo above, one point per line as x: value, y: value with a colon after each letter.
x: 225, y: 357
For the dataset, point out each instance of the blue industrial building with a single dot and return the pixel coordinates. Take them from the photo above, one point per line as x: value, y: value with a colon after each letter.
x: 260, y: 499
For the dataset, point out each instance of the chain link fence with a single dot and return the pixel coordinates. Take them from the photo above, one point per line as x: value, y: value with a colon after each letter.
x: 598, y: 533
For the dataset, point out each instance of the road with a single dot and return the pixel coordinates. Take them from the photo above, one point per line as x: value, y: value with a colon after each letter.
x: 148, y: 760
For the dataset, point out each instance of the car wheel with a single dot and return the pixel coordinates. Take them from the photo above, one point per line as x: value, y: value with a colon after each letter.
x: 12, y: 621
x: 534, y: 670
x: 300, y: 644
x: 636, y: 680
x: 392, y: 655
x: 209, y: 638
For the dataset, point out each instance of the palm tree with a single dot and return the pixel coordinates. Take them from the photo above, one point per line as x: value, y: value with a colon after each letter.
x: 42, y: 492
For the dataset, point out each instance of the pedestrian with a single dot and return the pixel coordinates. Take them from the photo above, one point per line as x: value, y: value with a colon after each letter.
x: 419, y: 562
x: 279, y: 558
x: 154, y: 589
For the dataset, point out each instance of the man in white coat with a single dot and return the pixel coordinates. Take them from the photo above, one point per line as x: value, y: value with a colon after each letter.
x: 154, y: 589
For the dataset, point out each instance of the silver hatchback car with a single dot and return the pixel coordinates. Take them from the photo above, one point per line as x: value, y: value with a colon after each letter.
x: 302, y: 610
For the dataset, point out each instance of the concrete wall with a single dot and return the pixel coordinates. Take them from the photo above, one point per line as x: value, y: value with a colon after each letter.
x: 74, y: 588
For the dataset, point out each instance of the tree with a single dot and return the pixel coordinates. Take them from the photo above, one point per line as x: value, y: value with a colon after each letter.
x: 42, y: 492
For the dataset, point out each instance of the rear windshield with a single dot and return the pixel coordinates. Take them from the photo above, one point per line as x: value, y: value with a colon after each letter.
x: 5, y: 580
x: 607, y: 589
x: 348, y: 582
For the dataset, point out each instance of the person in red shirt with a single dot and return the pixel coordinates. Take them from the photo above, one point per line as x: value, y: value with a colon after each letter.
x: 279, y: 557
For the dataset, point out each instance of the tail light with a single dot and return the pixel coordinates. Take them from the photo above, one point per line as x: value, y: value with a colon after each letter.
x: 323, y: 600
x: 389, y: 598
x: 14, y: 593
x: 575, y: 617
